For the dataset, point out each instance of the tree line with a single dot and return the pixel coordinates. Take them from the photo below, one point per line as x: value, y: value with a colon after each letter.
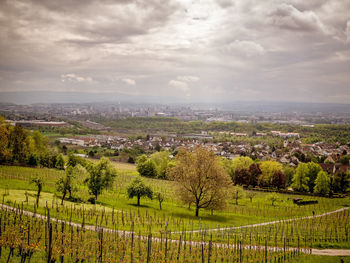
x: 24, y: 147
x: 244, y: 171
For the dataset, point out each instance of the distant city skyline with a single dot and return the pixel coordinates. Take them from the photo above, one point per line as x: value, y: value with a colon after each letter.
x: 208, y: 51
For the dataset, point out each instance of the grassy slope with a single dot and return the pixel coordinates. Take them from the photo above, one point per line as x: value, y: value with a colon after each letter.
x: 16, y: 179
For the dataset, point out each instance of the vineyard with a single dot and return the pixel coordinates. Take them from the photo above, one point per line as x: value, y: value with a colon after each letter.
x: 25, y: 236
x: 115, y: 230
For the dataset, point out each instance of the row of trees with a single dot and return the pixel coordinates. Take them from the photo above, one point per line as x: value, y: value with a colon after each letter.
x: 21, y: 146
x: 98, y: 177
x: 244, y: 171
x: 203, y: 179
x: 307, y: 177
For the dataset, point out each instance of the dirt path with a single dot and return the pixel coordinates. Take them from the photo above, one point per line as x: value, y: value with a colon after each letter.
x: 326, y: 252
x: 266, y: 223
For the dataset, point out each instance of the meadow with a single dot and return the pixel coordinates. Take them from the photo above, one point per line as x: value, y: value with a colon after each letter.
x: 15, y: 188
x: 115, y: 229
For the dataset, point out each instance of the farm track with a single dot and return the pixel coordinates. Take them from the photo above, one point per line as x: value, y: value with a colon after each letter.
x: 324, y: 252
x: 268, y: 223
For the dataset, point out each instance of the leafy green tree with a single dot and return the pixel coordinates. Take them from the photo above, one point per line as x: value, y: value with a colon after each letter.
x: 101, y: 175
x: 146, y: 167
x: 201, y: 179
x: 33, y: 159
x: 163, y: 163
x: 38, y: 181
x: 314, y: 169
x: 74, y: 160
x: 341, y: 182
x: 40, y: 142
x: 19, y: 144
x: 59, y: 162
x: 242, y: 162
x: 65, y: 185
x: 5, y: 152
x: 300, y: 178
x: 138, y: 189
x: 289, y: 173
x: 48, y: 159
x: 323, y: 183
x: 268, y: 169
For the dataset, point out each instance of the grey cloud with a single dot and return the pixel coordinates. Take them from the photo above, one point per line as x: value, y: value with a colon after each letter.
x: 225, y: 3
x: 288, y: 17
x: 245, y: 49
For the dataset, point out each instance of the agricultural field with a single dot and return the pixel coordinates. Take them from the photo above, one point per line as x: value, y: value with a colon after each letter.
x: 140, y: 234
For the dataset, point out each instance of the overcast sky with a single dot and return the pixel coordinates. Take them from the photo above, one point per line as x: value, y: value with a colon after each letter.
x: 210, y: 50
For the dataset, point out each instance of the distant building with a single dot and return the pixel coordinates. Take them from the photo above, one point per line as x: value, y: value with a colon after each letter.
x: 72, y: 141
x: 239, y: 134
x: 285, y: 134
x: 25, y: 123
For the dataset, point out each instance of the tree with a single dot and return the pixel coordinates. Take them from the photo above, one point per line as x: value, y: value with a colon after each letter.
x: 40, y: 142
x: 66, y: 184
x: 254, y: 173
x: 240, y: 167
x: 278, y: 179
x: 160, y: 197
x: 323, y: 183
x: 251, y: 195
x: 59, y: 162
x: 146, y: 167
x: 273, y: 197
x: 162, y: 163
x: 5, y: 152
x: 138, y: 189
x: 74, y: 160
x: 38, y: 181
x: 33, y: 159
x: 201, y: 179
x: 300, y: 178
x: 241, y: 177
x: 341, y: 182
x: 19, y: 144
x: 237, y: 194
x: 241, y: 162
x: 268, y: 169
x: 101, y: 175
x: 314, y: 169
x: 289, y: 173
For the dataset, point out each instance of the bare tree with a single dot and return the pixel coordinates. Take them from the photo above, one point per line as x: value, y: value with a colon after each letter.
x: 202, y: 181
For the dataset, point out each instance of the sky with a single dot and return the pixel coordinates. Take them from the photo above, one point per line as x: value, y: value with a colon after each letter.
x: 195, y: 51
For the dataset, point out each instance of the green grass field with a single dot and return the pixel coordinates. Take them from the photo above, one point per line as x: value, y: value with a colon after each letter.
x: 114, y: 210
x: 15, y: 183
